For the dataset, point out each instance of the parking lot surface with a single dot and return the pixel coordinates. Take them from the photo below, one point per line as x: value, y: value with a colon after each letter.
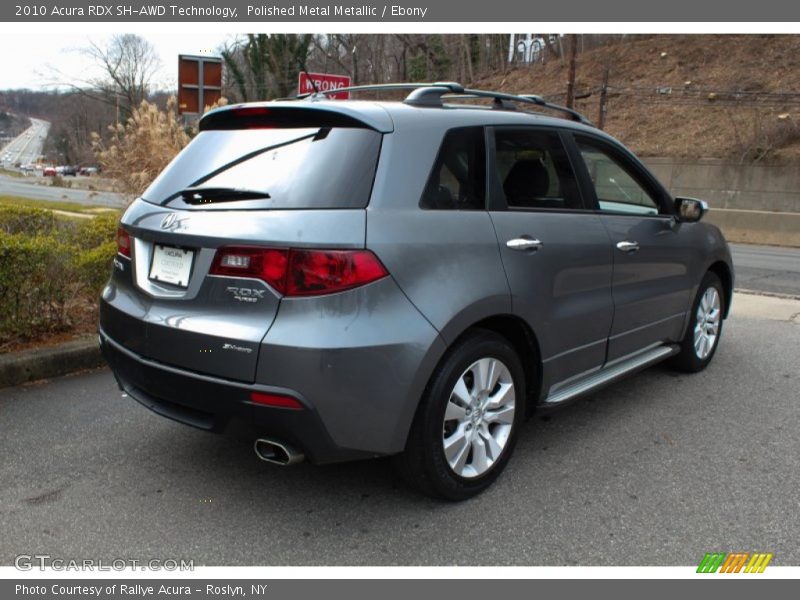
x: 655, y: 470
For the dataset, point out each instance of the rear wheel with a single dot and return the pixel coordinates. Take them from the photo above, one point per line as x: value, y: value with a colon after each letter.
x: 702, y: 336
x: 467, y: 422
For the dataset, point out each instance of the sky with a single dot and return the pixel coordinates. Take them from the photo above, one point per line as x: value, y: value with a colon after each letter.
x: 56, y: 59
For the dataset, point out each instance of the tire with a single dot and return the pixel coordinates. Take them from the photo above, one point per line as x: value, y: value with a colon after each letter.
x: 698, y: 345
x: 474, y: 414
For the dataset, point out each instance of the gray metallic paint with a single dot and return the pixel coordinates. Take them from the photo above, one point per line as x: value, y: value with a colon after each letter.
x: 362, y: 357
x: 562, y: 290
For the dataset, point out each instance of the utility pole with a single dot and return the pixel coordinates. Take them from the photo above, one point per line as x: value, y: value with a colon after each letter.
x: 601, y: 112
x: 573, y: 53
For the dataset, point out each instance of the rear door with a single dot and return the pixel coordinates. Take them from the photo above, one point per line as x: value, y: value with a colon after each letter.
x: 652, y: 262
x: 277, y: 179
x: 555, y: 250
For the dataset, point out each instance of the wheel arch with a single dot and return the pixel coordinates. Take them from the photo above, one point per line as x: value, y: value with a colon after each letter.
x: 524, y: 341
x: 723, y: 271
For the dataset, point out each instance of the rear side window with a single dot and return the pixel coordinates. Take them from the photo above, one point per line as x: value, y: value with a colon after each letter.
x: 533, y: 169
x: 458, y: 178
x: 296, y: 167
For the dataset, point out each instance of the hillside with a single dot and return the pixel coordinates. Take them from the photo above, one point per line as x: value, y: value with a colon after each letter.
x: 11, y: 125
x: 722, y: 96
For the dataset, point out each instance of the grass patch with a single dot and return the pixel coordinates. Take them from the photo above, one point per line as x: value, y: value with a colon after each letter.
x: 55, y: 205
x: 10, y: 173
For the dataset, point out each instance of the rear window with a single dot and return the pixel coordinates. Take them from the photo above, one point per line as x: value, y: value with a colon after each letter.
x: 297, y: 167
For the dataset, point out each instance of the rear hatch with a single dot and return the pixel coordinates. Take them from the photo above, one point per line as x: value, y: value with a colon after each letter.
x: 197, y: 292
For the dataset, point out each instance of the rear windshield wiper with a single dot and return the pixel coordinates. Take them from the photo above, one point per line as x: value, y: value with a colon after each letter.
x: 238, y: 161
x: 207, y: 195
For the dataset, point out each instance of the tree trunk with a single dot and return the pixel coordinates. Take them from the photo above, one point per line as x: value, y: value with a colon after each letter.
x: 573, y: 55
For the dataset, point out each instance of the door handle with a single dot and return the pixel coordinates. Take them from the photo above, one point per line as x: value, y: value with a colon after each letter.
x: 524, y: 243
x: 628, y: 247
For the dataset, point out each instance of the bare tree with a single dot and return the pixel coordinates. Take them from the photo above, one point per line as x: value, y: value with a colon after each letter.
x: 129, y: 63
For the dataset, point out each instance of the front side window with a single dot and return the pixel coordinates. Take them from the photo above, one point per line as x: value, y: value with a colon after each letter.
x: 458, y: 178
x: 533, y: 169
x: 616, y: 188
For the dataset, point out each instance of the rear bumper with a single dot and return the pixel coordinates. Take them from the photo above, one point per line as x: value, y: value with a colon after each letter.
x: 211, y: 403
x: 358, y: 361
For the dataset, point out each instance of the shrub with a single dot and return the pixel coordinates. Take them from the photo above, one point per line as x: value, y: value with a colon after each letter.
x: 140, y: 149
x: 33, y: 221
x: 35, y: 284
x: 94, y: 266
x: 59, y: 181
x: 91, y: 233
x: 51, y: 271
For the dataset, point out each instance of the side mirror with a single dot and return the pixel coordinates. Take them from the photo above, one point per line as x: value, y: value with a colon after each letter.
x: 690, y: 210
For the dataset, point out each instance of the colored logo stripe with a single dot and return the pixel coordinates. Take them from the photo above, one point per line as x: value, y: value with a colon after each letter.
x: 734, y: 562
x: 711, y: 562
x: 758, y: 563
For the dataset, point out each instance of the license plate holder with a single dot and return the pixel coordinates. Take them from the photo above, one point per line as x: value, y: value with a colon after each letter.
x: 171, y: 265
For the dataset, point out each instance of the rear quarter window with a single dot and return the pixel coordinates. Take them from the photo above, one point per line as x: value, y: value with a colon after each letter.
x: 458, y: 178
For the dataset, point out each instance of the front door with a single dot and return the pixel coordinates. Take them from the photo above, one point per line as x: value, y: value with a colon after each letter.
x: 651, y: 284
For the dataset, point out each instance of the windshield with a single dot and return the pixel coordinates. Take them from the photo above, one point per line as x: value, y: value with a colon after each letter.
x: 294, y: 167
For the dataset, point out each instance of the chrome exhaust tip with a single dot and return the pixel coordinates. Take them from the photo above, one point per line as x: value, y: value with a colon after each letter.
x: 277, y: 453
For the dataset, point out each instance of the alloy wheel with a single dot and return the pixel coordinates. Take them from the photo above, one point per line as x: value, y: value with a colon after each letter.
x: 707, y: 321
x: 478, y: 418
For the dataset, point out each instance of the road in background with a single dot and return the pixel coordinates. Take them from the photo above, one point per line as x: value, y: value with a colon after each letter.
x: 16, y: 186
x: 657, y: 469
x: 767, y: 268
x: 26, y: 148
x: 759, y: 268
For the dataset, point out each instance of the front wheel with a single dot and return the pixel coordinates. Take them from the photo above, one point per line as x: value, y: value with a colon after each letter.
x: 702, y: 336
x: 467, y: 422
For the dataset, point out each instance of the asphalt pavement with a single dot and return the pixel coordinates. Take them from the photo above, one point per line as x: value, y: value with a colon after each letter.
x: 767, y: 268
x: 26, y: 147
x: 655, y: 470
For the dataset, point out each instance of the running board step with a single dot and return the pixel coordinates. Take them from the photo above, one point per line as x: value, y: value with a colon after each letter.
x: 610, y: 374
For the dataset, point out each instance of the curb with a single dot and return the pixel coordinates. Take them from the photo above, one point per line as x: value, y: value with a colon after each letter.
x: 769, y: 294
x: 44, y: 363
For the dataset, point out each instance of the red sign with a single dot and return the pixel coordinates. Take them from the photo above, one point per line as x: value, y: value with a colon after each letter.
x: 324, y: 82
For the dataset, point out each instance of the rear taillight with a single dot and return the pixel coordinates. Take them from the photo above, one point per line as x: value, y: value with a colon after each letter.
x: 123, y: 242
x: 314, y: 272
x: 266, y: 264
x: 300, y: 272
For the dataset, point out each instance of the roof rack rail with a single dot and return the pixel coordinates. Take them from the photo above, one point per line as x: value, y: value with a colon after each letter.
x: 501, y: 100
x: 430, y: 94
x: 445, y: 86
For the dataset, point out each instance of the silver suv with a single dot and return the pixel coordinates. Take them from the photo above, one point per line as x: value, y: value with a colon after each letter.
x: 411, y: 278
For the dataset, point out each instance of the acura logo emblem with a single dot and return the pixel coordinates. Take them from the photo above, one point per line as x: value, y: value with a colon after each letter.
x: 171, y: 221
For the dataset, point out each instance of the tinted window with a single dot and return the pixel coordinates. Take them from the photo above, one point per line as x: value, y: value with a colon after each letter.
x: 458, y: 178
x: 616, y: 188
x: 534, y: 171
x: 309, y: 167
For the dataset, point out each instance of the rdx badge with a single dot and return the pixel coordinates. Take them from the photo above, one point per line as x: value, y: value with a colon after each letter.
x: 245, y: 294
